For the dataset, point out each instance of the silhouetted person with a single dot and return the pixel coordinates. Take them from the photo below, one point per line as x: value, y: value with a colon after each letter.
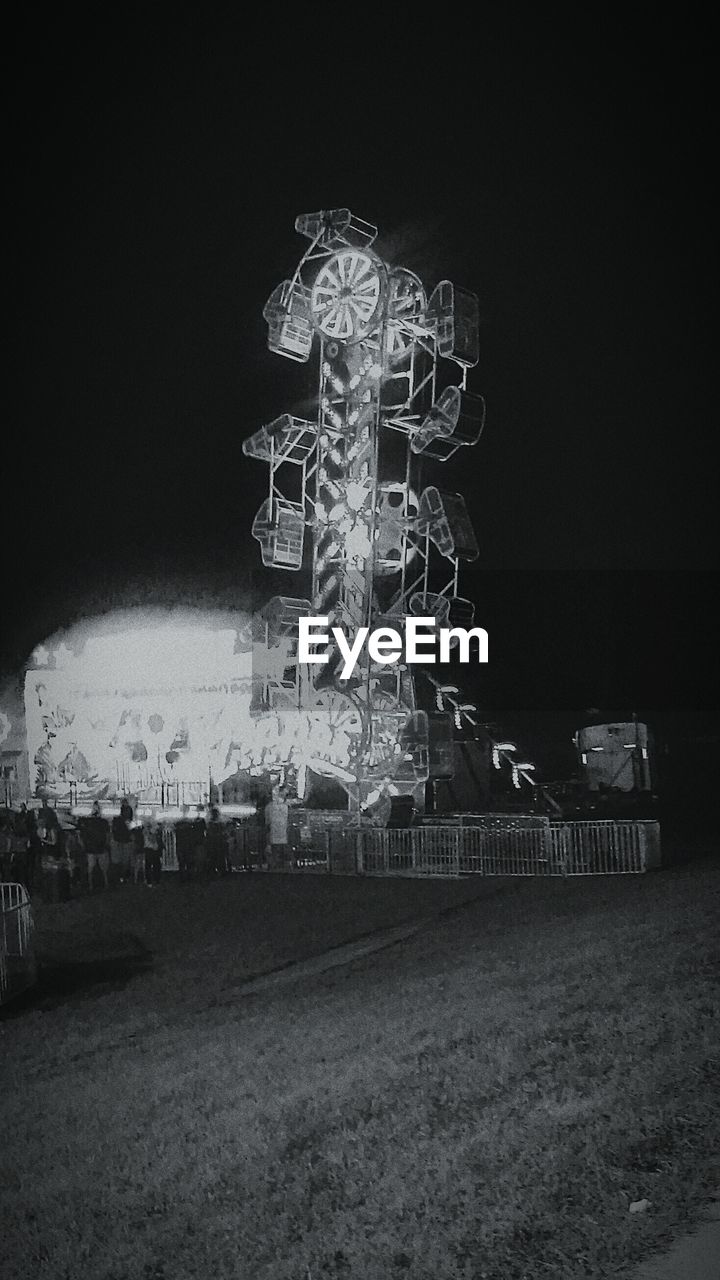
x: 185, y: 847
x: 216, y: 845
x: 121, y: 842
x: 277, y: 816
x: 95, y: 836
x: 137, y: 853
x: 153, y: 856
x: 199, y: 835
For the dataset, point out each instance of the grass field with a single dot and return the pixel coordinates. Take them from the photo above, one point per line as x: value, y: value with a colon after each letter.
x: 484, y: 1100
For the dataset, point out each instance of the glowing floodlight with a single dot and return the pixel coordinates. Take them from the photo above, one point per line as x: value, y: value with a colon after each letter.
x: 501, y: 751
x: 522, y: 771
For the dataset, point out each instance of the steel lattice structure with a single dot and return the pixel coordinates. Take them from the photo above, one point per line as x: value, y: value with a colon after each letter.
x: 345, y: 499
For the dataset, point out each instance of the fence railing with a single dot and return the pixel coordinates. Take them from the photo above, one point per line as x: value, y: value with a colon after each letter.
x: 456, y: 850
x: 605, y: 847
x: 472, y: 844
x: 245, y: 847
x: 18, y: 966
x: 495, y: 845
x: 168, y: 861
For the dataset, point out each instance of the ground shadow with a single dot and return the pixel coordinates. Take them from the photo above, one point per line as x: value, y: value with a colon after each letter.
x: 58, y: 983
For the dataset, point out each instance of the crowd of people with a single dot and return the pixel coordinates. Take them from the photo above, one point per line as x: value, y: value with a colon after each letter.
x: 39, y: 846
x: 96, y: 852
x: 23, y: 837
x: 124, y: 847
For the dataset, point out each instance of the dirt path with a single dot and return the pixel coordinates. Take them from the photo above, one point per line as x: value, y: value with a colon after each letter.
x: 331, y: 959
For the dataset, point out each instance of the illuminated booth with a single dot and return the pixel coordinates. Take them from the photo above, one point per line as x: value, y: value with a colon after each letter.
x: 153, y: 711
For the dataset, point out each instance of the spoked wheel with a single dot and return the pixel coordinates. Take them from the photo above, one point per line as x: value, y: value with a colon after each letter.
x: 347, y: 296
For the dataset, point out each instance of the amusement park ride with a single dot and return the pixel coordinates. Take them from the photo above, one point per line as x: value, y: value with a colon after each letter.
x: 347, y: 503
x: 355, y: 507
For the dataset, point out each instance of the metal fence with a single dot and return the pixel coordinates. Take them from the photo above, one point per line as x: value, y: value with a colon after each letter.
x: 245, y: 846
x: 453, y: 851
x: 495, y: 845
x: 168, y: 860
x: 467, y: 844
x: 604, y: 847
x: 18, y: 966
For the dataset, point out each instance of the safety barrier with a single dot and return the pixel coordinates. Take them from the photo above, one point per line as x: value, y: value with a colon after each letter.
x: 245, y: 846
x: 456, y: 850
x: 604, y: 847
x: 18, y: 966
x: 168, y: 860
x: 469, y: 844
x: 499, y: 846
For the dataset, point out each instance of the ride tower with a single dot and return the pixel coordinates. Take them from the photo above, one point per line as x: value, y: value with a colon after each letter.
x: 347, y: 505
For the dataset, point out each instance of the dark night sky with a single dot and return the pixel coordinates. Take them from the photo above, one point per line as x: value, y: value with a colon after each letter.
x: 156, y: 175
